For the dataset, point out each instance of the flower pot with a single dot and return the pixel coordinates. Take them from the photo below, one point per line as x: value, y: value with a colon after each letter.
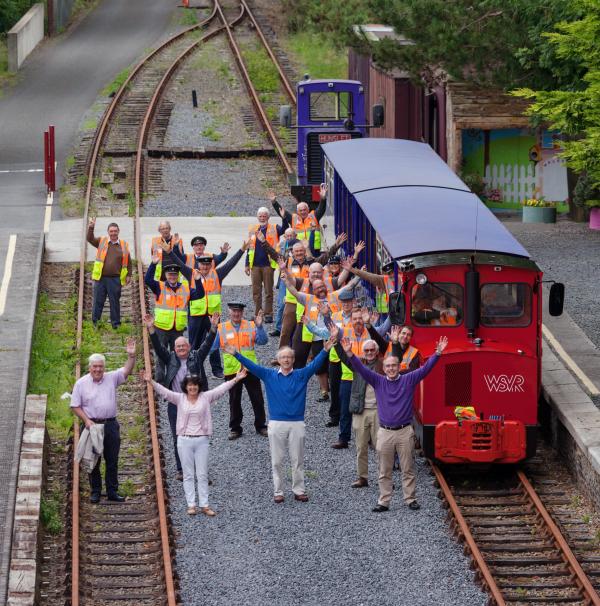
x: 539, y: 214
x: 595, y: 218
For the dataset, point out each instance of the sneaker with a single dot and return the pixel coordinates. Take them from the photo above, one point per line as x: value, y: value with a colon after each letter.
x: 234, y: 435
x: 275, y: 333
x: 218, y: 374
x: 332, y: 423
x: 414, y: 506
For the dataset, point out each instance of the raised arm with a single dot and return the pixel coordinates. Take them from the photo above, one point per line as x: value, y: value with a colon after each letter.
x: 159, y: 350
x: 149, y: 280
x: 284, y: 214
x: 231, y: 263
x: 130, y: 349
x: 167, y: 394
x: 207, y: 345
x: 256, y: 369
x: 308, y: 371
x: 214, y: 394
x: 320, y: 210
x: 372, y: 378
x: 175, y: 257
x: 261, y: 337
x: 418, y: 375
x: 90, y: 233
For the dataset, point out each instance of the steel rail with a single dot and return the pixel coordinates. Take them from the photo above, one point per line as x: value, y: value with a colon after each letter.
x: 253, y: 94
x: 464, y: 529
x: 284, y: 79
x: 98, y: 140
x: 581, y: 578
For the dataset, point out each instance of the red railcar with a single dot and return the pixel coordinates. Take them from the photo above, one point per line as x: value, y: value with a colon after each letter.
x: 460, y: 273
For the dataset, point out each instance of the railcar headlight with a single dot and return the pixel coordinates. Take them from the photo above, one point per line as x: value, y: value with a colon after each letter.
x: 421, y: 279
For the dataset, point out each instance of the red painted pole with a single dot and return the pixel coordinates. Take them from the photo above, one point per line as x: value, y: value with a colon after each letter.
x: 46, y: 164
x: 186, y: 3
x: 52, y: 158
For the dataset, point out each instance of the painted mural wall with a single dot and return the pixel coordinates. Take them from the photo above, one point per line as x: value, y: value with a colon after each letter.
x: 515, y: 164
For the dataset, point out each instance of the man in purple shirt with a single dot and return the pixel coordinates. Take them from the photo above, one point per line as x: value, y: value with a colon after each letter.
x: 394, y: 393
x: 94, y: 400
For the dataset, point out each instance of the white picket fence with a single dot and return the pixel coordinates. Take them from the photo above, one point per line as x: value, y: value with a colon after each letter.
x: 516, y: 182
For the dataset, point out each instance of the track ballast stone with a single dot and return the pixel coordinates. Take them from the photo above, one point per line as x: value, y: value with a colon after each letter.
x: 332, y: 549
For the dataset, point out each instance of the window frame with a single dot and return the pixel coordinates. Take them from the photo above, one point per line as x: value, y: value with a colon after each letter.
x: 417, y: 324
x: 529, y: 291
x: 338, y: 106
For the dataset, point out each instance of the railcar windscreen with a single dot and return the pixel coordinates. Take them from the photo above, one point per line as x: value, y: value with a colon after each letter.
x: 437, y: 304
x: 505, y: 304
x: 330, y: 106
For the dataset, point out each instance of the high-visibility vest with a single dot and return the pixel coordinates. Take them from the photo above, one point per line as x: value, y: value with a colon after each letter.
x: 304, y: 227
x: 191, y: 262
x: 382, y: 298
x: 447, y: 320
x: 409, y: 355
x: 357, y: 345
x: 242, y: 338
x: 295, y: 271
x: 328, y: 279
x: 101, y: 256
x: 311, y: 311
x: 211, y: 301
x: 272, y: 237
x: 338, y: 319
x: 155, y: 248
x: 170, y: 310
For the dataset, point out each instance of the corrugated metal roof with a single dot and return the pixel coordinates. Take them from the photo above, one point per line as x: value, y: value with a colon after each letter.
x: 367, y: 164
x: 415, y: 202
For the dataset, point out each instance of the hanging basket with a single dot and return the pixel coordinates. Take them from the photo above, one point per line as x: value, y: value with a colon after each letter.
x: 539, y: 214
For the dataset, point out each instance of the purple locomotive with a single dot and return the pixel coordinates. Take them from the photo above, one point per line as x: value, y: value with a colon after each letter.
x: 327, y: 111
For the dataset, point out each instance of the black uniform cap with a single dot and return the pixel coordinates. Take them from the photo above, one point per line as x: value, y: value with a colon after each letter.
x: 236, y: 305
x: 205, y: 259
x: 199, y: 240
x: 388, y: 267
x: 171, y: 269
x: 334, y: 259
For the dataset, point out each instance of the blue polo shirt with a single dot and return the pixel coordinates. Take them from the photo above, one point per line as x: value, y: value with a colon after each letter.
x: 286, y: 394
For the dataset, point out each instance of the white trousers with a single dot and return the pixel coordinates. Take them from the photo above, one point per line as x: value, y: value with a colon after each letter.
x: 287, y: 435
x: 193, y: 453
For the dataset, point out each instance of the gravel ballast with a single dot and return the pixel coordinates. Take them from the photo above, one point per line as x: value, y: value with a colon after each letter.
x: 332, y: 549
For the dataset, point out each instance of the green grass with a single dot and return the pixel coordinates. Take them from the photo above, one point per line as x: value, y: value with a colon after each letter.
x: 90, y: 124
x: 115, y: 85
x: 53, y: 361
x: 188, y: 17
x: 211, y: 133
x: 6, y: 78
x: 261, y: 69
x: 317, y: 55
x: 70, y: 161
x: 131, y: 204
x: 50, y: 511
x: 127, y: 488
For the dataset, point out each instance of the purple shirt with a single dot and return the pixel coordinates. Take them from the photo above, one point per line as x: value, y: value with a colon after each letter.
x: 98, y: 400
x: 394, y: 398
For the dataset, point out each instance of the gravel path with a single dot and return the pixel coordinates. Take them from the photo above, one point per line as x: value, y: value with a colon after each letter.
x: 330, y: 550
x: 568, y: 252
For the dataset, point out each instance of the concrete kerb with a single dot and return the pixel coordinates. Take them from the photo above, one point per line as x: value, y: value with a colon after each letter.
x: 6, y: 547
x: 580, y: 418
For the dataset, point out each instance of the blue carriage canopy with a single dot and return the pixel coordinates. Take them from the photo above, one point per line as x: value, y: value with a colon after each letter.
x: 414, y: 201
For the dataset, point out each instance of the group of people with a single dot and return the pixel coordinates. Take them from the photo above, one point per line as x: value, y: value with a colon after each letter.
x: 366, y: 368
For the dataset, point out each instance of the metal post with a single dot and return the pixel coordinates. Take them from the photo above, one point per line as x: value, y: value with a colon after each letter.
x: 46, y: 163
x: 52, y: 158
x: 186, y: 3
x: 194, y: 98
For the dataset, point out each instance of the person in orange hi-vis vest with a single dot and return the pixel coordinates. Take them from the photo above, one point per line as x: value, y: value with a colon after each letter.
x: 111, y: 271
x: 157, y: 247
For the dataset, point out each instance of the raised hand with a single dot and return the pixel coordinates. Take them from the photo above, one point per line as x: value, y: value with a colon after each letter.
x: 241, y: 374
x: 246, y: 244
x: 149, y: 320
x: 176, y: 239
x: 441, y: 345
x: 366, y: 315
x: 324, y: 308
x: 347, y: 263
x: 341, y: 239
x: 323, y: 191
x: 281, y: 263
x: 305, y: 243
x: 92, y: 222
x: 374, y: 317
x: 156, y: 258
x: 214, y: 319
x: 228, y: 348
x: 247, y: 270
x: 259, y: 319
x: 130, y: 347
x: 166, y: 247
x: 358, y: 248
x: 196, y: 274
x: 334, y: 331
x: 271, y: 196
x: 394, y: 334
x: 225, y: 248
x: 146, y: 375
x: 328, y: 344
x: 347, y: 346
x: 260, y: 236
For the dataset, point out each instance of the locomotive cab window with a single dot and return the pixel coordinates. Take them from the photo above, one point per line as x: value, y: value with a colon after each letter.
x: 505, y: 304
x: 330, y: 106
x: 437, y: 304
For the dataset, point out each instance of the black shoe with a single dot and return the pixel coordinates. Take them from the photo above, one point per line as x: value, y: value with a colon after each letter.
x: 117, y: 498
x: 263, y: 432
x: 324, y: 397
x: 380, y: 508
x: 414, y: 506
x: 275, y: 333
x: 218, y: 374
x: 116, y: 326
x: 234, y: 435
x: 95, y: 497
x: 339, y: 445
x: 269, y: 319
x: 332, y: 423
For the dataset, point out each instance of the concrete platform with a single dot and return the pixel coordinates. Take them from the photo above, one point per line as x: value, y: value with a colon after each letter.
x: 63, y: 243
x: 16, y: 326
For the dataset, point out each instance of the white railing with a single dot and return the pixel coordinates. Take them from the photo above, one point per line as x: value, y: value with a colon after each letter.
x: 516, y: 182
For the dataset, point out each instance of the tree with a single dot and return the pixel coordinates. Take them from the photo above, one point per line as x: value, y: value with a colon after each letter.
x: 11, y: 11
x: 575, y: 113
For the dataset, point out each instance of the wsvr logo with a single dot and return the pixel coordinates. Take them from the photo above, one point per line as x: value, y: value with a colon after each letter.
x: 504, y: 383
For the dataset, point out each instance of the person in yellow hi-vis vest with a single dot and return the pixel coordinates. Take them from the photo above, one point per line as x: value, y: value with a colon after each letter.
x: 111, y: 271
x: 259, y: 266
x: 170, y: 307
x: 242, y: 335
x: 157, y: 246
x: 304, y: 220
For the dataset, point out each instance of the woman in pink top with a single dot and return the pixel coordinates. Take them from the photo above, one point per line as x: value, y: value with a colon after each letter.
x: 194, y: 428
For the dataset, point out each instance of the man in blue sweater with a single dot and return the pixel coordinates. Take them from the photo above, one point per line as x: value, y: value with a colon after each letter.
x: 394, y: 393
x: 286, y: 400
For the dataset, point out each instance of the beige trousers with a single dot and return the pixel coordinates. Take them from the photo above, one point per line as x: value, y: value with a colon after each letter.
x: 262, y: 277
x: 287, y: 436
x: 365, y: 427
x: 401, y: 441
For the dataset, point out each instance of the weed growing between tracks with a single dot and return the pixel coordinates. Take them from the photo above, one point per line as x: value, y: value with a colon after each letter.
x: 316, y: 55
x: 115, y: 85
x: 261, y: 69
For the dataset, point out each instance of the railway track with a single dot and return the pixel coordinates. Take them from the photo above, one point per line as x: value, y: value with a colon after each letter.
x: 526, y: 545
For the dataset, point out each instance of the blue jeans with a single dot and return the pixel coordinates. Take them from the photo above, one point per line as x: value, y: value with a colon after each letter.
x: 345, y: 416
x: 281, y: 290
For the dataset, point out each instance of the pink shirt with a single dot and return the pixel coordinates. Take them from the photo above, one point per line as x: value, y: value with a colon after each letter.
x: 194, y: 419
x: 98, y: 399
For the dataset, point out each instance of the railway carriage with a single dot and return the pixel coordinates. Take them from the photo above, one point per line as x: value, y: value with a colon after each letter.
x: 458, y: 272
